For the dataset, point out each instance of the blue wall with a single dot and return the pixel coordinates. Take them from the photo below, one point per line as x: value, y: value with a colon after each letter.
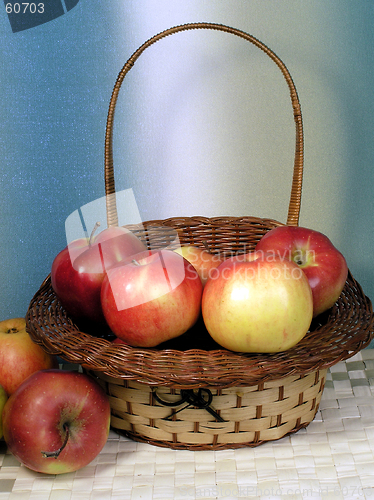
x: 189, y: 138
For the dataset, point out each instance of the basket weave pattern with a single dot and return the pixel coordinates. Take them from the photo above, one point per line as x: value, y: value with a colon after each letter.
x: 251, y: 414
x: 233, y: 399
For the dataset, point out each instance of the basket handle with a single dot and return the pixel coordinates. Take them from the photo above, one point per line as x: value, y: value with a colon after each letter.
x: 295, y: 199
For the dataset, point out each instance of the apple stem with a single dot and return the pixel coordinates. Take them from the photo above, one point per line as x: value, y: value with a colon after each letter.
x: 93, y: 232
x: 55, y: 454
x: 12, y: 330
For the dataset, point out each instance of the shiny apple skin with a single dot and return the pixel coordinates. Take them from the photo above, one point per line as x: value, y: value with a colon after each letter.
x: 78, y: 270
x: 77, y: 290
x: 34, y: 416
x: 3, y: 400
x: 153, y: 300
x: 323, y: 264
x: 20, y: 357
x: 203, y: 261
x: 257, y: 305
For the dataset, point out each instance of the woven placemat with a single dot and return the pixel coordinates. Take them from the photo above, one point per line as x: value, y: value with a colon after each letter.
x: 333, y: 458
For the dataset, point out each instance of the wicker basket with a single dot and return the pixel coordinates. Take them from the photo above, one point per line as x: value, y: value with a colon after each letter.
x: 190, y: 393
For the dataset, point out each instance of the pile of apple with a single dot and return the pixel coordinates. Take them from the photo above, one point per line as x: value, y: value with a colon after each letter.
x: 262, y: 301
x: 57, y: 421
x: 53, y: 420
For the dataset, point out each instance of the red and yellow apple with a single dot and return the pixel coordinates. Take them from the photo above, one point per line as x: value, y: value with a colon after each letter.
x: 19, y: 355
x: 154, y: 298
x: 323, y: 264
x: 257, y: 303
x: 57, y: 421
x: 79, y: 269
x: 3, y: 400
x: 202, y: 260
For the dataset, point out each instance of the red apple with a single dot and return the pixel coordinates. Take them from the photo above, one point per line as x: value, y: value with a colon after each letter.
x: 202, y: 260
x: 117, y: 340
x: 57, y: 421
x: 19, y: 355
x: 155, y: 298
x: 243, y: 257
x: 78, y: 270
x: 262, y: 304
x: 322, y: 263
x: 3, y: 400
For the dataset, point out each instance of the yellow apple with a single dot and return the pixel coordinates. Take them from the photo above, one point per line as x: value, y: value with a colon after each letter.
x: 202, y: 260
x: 19, y: 355
x: 257, y: 303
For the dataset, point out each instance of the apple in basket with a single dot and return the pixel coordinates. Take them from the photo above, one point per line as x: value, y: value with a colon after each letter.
x: 202, y: 260
x: 57, y: 421
x: 322, y: 263
x: 79, y: 269
x: 257, y: 303
x: 151, y: 299
x: 19, y: 355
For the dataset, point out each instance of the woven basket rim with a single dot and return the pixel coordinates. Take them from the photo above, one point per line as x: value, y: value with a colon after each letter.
x: 345, y: 330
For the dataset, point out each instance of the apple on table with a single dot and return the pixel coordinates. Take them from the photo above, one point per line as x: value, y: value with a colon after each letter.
x: 3, y: 400
x: 258, y: 304
x: 20, y: 356
x: 152, y: 298
x: 78, y: 270
x: 57, y: 421
x: 323, y: 264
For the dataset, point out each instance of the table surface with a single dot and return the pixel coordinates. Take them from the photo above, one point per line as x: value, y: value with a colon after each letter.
x: 333, y: 458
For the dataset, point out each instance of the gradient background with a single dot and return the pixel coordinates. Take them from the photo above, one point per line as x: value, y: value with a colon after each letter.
x: 203, y: 125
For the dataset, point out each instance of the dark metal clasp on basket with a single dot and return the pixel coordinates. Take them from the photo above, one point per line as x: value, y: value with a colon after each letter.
x: 193, y: 398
